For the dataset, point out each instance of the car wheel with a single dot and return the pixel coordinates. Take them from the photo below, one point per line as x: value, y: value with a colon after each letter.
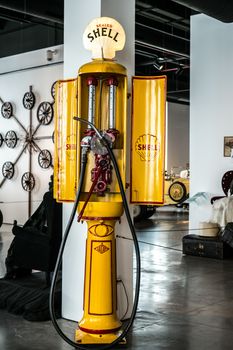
x: 141, y: 212
x: 177, y: 191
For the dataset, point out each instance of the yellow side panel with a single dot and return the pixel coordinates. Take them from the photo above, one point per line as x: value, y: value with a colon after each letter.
x: 65, y: 136
x: 148, y: 139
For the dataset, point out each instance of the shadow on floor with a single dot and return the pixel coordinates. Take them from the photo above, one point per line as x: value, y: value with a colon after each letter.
x: 186, y: 302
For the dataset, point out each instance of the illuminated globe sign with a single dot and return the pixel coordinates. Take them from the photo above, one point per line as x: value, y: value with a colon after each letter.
x: 104, y: 36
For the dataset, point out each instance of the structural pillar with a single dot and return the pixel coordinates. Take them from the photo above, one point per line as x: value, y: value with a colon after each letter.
x: 78, y: 14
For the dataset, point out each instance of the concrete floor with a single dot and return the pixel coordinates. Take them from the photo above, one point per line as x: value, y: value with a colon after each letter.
x: 186, y: 302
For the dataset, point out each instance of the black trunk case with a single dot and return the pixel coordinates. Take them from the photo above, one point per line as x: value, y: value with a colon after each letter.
x: 209, y: 247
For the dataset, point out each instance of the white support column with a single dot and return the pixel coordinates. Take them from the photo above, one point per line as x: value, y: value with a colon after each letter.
x: 210, y: 111
x: 78, y: 14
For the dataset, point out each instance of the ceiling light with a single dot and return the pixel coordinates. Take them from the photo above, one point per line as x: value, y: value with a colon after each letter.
x: 157, y: 65
x: 179, y: 71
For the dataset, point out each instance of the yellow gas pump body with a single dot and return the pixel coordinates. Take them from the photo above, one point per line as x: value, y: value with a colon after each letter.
x: 99, y: 95
x: 100, y: 323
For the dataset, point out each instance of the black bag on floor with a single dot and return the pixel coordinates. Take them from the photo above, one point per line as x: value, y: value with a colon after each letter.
x: 209, y: 247
x: 227, y: 234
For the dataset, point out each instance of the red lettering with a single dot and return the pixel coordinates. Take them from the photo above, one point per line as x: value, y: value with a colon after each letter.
x: 104, y: 25
x: 70, y: 146
x: 145, y: 147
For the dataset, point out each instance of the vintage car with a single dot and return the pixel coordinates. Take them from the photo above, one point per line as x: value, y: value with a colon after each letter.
x: 176, y: 191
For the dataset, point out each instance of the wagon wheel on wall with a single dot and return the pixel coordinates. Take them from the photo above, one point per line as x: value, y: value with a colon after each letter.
x: 45, y: 159
x: 28, y: 181
x: 1, y: 218
x: 45, y: 116
x: 11, y: 139
x: 45, y: 113
x: 53, y: 90
x: 1, y: 140
x: 6, y: 110
x: 8, y: 170
x: 29, y: 100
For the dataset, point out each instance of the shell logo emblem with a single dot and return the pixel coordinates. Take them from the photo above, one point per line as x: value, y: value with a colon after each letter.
x: 147, y: 147
x: 101, y: 248
x: 71, y: 147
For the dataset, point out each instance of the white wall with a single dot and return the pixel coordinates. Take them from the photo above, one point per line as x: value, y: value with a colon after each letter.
x: 211, y: 106
x: 13, y: 85
x: 177, y: 136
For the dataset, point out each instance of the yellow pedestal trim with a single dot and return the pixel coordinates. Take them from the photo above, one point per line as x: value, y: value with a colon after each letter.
x: 87, y: 338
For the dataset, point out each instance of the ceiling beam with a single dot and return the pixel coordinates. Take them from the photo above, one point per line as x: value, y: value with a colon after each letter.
x: 29, y: 11
x: 155, y: 47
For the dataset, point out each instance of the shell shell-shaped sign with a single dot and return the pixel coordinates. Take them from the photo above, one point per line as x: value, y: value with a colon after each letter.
x: 147, y: 147
x: 104, y: 36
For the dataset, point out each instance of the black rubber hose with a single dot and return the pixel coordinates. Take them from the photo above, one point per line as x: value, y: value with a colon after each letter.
x: 137, y: 252
x: 61, y: 250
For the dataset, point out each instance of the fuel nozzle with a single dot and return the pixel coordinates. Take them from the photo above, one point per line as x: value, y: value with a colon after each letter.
x: 85, y: 146
x: 101, y: 174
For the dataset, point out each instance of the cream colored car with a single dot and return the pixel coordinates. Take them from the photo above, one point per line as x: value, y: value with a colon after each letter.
x: 176, y: 191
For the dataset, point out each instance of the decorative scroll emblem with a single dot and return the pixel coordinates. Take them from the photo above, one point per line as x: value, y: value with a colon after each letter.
x: 101, y: 230
x: 147, y: 147
x: 101, y: 248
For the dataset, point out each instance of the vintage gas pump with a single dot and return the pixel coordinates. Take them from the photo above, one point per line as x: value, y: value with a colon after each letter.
x: 90, y: 159
x: 102, y: 86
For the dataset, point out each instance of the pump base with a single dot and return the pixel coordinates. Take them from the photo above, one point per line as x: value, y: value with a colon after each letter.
x: 87, y: 338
